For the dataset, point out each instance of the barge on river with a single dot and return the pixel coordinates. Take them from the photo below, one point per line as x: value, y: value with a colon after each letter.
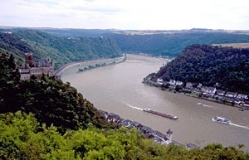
x: 160, y: 114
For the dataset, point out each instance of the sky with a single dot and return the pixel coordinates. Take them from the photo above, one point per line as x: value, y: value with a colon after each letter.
x: 126, y: 14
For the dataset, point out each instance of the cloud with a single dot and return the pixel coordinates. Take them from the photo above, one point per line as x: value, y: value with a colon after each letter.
x: 126, y: 14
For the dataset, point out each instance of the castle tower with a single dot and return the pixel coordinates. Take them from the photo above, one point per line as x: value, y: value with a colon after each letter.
x: 169, y: 134
x: 29, y: 60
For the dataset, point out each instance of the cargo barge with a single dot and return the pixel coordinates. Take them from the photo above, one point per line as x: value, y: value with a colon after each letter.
x: 160, y: 114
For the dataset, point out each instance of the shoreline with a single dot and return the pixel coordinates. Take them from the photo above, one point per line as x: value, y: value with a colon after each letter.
x: 195, y: 95
x: 63, y: 68
x: 159, y: 137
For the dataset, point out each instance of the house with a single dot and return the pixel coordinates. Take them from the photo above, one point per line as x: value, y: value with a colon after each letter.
x: 31, y: 68
x: 242, y: 96
x: 113, y: 117
x: 24, y: 73
x: 179, y: 83
x: 208, y: 90
x: 246, y: 104
x: 189, y: 85
x: 169, y: 134
x: 220, y: 92
x: 172, y: 82
x: 160, y: 81
x: 231, y: 94
x: 137, y: 125
x: 199, y: 85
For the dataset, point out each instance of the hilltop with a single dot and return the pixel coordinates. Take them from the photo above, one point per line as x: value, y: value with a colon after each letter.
x: 171, y: 45
x: 61, y: 49
x: 210, y: 65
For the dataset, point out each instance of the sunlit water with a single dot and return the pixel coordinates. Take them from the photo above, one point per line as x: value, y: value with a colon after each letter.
x: 118, y: 89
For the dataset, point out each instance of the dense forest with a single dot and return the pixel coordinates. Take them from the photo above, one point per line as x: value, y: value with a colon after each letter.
x: 11, y: 45
x: 47, y: 119
x: 61, y: 49
x: 52, y: 102
x: 172, y: 44
x: 206, y: 64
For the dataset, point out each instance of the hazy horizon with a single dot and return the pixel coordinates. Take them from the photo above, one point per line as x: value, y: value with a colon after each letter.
x: 126, y: 14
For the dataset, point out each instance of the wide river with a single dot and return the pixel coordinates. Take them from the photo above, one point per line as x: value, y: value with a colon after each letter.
x: 119, y: 89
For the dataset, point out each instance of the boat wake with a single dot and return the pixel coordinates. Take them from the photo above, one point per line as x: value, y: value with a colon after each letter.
x: 201, y: 104
x: 133, y: 107
x: 237, y: 125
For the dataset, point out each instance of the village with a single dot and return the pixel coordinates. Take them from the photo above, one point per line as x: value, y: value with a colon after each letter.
x: 156, y: 136
x: 205, y: 92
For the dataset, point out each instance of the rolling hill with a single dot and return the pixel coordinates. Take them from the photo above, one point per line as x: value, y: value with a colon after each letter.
x: 61, y: 49
x: 209, y: 65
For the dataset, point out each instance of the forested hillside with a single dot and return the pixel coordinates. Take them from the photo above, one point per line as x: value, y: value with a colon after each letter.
x: 61, y: 49
x: 12, y: 45
x: 51, y: 101
x: 210, y: 65
x: 67, y: 45
x: 47, y: 119
x: 172, y: 44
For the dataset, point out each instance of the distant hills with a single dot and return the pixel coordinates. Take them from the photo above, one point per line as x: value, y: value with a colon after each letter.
x: 206, y: 64
x: 158, y: 42
x: 172, y: 44
x: 70, y: 45
x: 12, y: 45
x: 61, y: 49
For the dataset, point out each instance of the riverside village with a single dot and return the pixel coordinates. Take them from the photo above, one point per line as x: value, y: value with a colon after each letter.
x: 199, y: 91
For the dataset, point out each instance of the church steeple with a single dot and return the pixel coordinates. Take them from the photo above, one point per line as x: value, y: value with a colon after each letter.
x: 169, y: 134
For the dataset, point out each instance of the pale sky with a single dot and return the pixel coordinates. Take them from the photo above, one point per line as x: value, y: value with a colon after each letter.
x: 126, y: 14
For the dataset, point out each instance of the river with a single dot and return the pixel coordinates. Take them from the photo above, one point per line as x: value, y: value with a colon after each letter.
x: 118, y: 89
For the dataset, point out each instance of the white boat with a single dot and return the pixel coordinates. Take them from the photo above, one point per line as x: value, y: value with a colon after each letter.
x: 221, y: 120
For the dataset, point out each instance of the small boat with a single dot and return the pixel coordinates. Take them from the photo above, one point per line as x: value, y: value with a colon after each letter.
x: 160, y: 114
x: 81, y: 70
x: 241, y: 109
x: 221, y: 120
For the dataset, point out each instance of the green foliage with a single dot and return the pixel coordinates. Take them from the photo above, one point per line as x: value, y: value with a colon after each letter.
x: 54, y: 130
x: 61, y: 49
x: 69, y: 49
x: 13, y: 45
x: 210, y: 65
x: 22, y: 137
x: 172, y: 44
x: 9, y: 78
x: 51, y: 101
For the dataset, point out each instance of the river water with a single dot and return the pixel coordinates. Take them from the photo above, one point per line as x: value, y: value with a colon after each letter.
x: 118, y: 89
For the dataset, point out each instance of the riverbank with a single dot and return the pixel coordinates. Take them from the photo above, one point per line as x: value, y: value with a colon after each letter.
x: 155, y: 135
x: 94, y: 63
x: 118, y: 89
x: 194, y: 93
x: 102, y: 64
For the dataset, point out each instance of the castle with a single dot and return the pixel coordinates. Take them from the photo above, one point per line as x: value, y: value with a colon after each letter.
x: 32, y: 68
